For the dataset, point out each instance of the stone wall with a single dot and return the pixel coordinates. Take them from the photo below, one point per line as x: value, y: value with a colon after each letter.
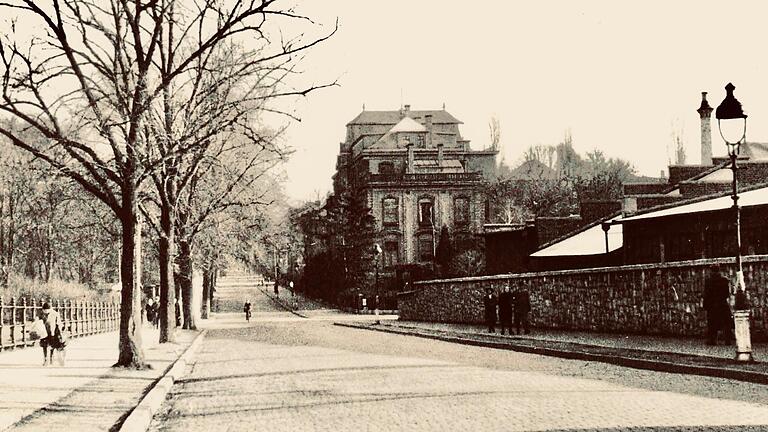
x: 648, y: 299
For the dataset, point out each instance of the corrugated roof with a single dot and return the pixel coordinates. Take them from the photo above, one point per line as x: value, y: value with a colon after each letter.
x: 588, y: 242
x: 393, y: 117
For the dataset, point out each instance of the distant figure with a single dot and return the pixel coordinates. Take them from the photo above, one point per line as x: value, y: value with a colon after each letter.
x: 277, y: 293
x: 151, y: 309
x: 489, y: 302
x: 156, y: 322
x: 247, y: 310
x: 54, y: 336
x: 505, y: 310
x: 715, y: 302
x: 177, y: 311
x: 522, y: 303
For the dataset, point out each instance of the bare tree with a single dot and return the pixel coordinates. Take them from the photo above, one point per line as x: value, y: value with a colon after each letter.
x: 494, y: 129
x: 87, y: 84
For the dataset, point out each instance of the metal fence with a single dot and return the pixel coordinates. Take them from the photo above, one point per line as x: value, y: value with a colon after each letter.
x: 81, y: 318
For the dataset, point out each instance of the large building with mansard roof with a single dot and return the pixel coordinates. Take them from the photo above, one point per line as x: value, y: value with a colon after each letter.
x: 418, y: 174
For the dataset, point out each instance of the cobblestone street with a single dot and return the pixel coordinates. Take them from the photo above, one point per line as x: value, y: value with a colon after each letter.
x: 284, y: 373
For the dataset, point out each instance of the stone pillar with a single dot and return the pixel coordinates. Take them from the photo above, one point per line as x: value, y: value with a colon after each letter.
x: 705, y: 112
x: 410, y: 168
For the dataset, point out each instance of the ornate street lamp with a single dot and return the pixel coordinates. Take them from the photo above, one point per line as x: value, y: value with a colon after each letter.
x: 732, y: 123
x: 377, y: 253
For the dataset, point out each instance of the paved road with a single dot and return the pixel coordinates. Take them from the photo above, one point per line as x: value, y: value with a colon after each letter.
x: 284, y: 373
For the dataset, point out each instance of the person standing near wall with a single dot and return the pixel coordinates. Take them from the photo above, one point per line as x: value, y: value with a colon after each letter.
x: 715, y: 302
x: 522, y: 302
x: 505, y: 310
x: 489, y: 302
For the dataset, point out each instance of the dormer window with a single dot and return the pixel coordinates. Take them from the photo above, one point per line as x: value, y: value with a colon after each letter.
x: 421, y: 141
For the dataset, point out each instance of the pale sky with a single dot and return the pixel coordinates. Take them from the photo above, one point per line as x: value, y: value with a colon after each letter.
x: 620, y: 75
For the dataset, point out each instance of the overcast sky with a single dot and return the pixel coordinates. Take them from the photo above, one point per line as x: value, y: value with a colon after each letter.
x: 620, y: 75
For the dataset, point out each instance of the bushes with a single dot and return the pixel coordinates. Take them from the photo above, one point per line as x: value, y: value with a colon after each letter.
x: 19, y: 286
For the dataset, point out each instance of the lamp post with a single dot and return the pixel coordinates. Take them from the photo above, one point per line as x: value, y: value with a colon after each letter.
x: 377, y: 254
x: 732, y: 124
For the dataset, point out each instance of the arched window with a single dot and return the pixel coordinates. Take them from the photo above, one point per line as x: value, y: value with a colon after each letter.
x: 390, y: 212
x: 426, y: 212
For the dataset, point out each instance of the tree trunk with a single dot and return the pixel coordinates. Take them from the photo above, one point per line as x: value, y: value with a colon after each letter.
x: 187, y: 294
x: 167, y: 287
x: 205, y: 307
x: 131, y: 353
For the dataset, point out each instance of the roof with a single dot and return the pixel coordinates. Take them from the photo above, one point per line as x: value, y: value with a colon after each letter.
x: 590, y: 241
x: 748, y: 198
x: 393, y: 117
x: 754, y: 151
x: 407, y: 124
x: 532, y: 169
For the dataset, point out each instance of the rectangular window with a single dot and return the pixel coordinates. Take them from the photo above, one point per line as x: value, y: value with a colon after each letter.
x: 421, y: 142
x: 426, y: 248
x: 390, y: 212
x: 391, y: 254
x: 461, y: 211
x: 425, y: 213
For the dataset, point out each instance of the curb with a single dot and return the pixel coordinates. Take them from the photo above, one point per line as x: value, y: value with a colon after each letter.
x: 632, y: 362
x: 140, y: 418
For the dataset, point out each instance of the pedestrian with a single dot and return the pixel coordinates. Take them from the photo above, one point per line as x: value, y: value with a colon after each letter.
x: 505, y: 310
x: 54, y: 337
x: 156, y: 322
x: 522, y: 304
x: 177, y: 311
x: 715, y: 302
x: 151, y: 309
x: 489, y: 302
x: 276, y: 290
x: 247, y: 310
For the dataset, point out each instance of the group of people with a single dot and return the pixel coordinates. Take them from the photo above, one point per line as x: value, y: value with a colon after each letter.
x: 510, y: 305
x: 152, y: 310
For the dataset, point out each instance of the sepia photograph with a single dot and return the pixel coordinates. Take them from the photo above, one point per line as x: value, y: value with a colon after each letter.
x: 360, y: 215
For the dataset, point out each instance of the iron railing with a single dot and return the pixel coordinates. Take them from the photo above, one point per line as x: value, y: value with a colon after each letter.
x: 81, y: 318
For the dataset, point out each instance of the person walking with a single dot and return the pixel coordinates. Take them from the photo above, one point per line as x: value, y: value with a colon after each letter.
x: 151, y: 309
x: 715, y: 302
x: 505, y: 310
x: 522, y: 303
x: 156, y: 322
x: 247, y: 310
x: 53, y: 338
x: 277, y: 291
x: 489, y: 302
x: 177, y: 312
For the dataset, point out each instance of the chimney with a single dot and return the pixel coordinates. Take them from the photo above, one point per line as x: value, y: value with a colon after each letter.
x: 440, y: 155
x: 409, y: 169
x: 705, y: 111
x: 428, y: 125
x: 629, y: 206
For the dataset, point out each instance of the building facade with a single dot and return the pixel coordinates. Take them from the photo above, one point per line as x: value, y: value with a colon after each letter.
x: 418, y: 175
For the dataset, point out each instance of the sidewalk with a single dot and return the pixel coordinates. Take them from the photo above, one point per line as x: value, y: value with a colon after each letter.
x: 86, y: 394
x: 665, y: 354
